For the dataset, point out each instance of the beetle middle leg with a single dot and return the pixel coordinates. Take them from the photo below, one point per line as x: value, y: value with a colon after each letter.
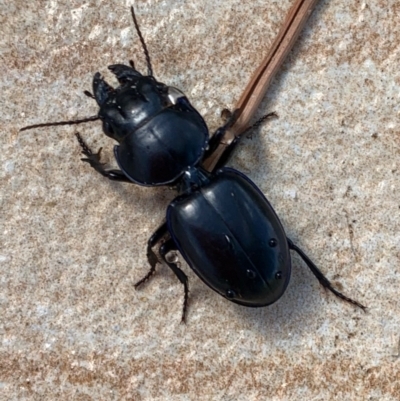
x: 165, y: 248
x: 94, y: 160
x: 320, y: 277
x: 151, y: 256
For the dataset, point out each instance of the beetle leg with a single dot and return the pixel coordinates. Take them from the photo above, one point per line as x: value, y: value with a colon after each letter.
x: 219, y: 135
x: 151, y: 256
x: 169, y: 246
x: 320, y: 277
x: 227, y: 154
x: 94, y: 160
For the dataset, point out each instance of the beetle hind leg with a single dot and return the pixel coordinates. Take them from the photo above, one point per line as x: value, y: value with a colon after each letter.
x: 165, y: 248
x: 321, y: 278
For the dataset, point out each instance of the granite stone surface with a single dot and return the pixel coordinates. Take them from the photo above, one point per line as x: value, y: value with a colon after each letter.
x: 72, y: 244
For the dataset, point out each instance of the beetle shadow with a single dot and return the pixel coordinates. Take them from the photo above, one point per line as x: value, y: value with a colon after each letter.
x: 250, y: 152
x: 295, y: 310
x: 148, y: 201
x: 302, y: 298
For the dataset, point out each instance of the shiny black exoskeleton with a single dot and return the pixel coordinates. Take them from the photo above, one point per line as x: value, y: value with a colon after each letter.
x: 160, y: 134
x: 221, y: 223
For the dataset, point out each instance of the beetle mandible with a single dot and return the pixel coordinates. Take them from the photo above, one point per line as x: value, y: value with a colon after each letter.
x: 220, y: 222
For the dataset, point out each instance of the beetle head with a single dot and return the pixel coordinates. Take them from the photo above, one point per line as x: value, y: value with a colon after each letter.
x: 136, y: 100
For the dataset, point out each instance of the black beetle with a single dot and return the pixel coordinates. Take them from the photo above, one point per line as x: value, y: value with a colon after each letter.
x: 221, y: 223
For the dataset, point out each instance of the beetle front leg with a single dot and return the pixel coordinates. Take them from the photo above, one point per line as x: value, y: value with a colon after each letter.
x: 320, y: 277
x: 151, y: 256
x: 165, y: 248
x: 94, y: 160
x: 219, y: 135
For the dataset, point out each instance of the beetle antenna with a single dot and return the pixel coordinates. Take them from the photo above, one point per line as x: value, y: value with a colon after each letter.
x: 146, y: 52
x: 73, y: 122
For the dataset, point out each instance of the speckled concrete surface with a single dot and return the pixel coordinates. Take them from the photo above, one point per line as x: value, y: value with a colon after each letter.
x: 73, y: 244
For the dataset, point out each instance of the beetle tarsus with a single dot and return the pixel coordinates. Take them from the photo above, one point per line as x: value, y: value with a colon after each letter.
x: 153, y: 260
x: 321, y: 278
x: 258, y: 123
x: 85, y: 148
x: 165, y: 248
x: 94, y: 160
x: 151, y: 256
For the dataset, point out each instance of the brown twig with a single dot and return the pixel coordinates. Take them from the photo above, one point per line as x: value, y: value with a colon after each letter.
x: 259, y: 83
